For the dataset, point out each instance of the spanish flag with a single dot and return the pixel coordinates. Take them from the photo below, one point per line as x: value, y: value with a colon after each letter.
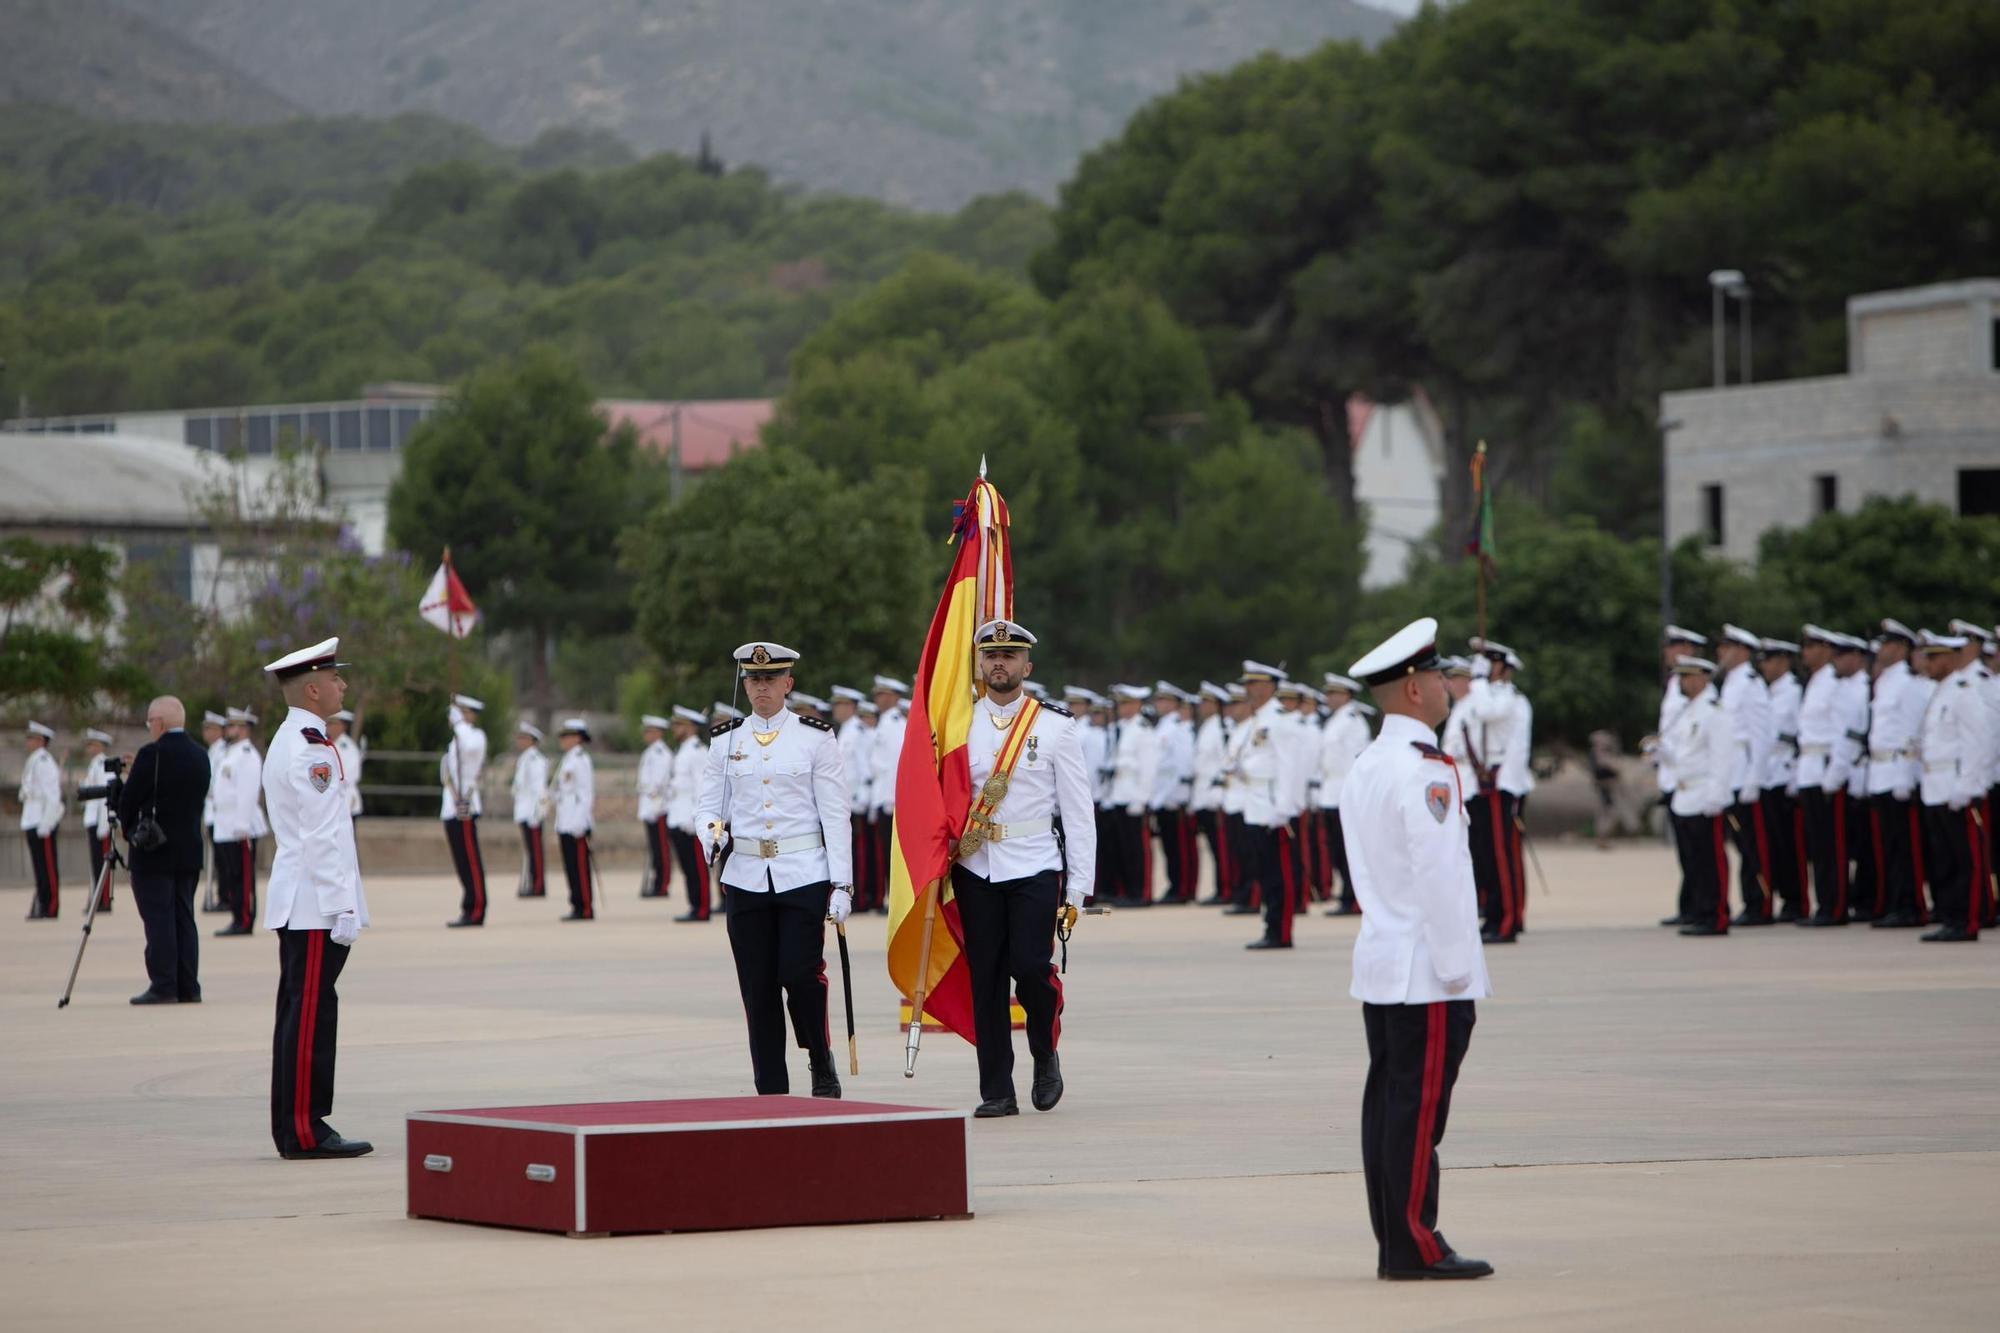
x: 933, y: 774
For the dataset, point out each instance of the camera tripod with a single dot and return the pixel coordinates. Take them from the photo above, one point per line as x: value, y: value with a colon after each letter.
x: 113, y: 859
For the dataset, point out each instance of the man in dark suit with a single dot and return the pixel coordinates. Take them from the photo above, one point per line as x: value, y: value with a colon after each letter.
x: 168, y: 779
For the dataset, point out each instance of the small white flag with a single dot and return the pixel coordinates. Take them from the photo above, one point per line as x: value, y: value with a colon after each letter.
x: 446, y: 604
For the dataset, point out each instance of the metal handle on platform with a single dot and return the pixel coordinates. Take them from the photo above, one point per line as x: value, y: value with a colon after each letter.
x: 540, y: 1173
x: 437, y: 1161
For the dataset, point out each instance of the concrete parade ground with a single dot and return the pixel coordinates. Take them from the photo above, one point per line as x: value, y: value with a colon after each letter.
x: 1783, y: 1129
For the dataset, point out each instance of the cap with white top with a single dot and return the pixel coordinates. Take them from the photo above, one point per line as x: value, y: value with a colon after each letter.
x: 1002, y: 634
x: 1737, y: 634
x: 1675, y: 634
x: 1260, y: 671
x: 242, y: 715
x: 467, y: 701
x: 760, y: 657
x: 654, y: 722
x: 849, y: 693
x: 1408, y: 651
x: 93, y: 734
x: 46, y: 732
x: 686, y: 714
x: 320, y: 657
x: 1694, y: 666
x: 530, y: 729
x: 212, y: 719
x: 890, y: 685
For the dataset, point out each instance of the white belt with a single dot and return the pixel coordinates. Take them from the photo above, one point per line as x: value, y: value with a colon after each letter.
x: 767, y: 848
x: 1814, y: 749
x: 1022, y: 828
x: 1942, y: 766
x: 1887, y: 756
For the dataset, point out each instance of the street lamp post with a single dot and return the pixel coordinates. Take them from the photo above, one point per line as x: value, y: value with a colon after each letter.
x: 1667, y: 426
x: 1728, y: 282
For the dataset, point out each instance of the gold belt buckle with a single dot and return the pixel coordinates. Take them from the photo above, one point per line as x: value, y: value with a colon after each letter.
x: 767, y: 848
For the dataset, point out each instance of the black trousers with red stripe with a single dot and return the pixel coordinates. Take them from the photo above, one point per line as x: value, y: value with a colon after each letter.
x: 694, y: 870
x: 1826, y: 848
x: 236, y: 880
x: 1010, y: 932
x: 1132, y: 857
x: 1704, y: 868
x: 865, y: 888
x: 1951, y: 859
x: 1265, y: 865
x: 1495, y: 870
x: 1214, y: 826
x: 1292, y: 842
x: 100, y: 851
x: 302, y: 1046
x: 462, y: 835
x: 576, y: 869
x: 1242, y: 873
x: 779, y: 943
x: 1753, y: 850
x: 1784, y: 831
x: 531, y: 851
x: 48, y: 879
x: 659, y: 858
x: 882, y: 831
x: 1864, y: 882
x: 1414, y: 1051
x: 1175, y: 831
x: 1900, y: 855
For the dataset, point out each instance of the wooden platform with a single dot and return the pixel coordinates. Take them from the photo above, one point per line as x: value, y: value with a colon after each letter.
x: 703, y: 1164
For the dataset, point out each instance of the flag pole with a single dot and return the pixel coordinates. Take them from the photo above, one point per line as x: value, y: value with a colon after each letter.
x: 1478, y: 501
x: 916, y: 1034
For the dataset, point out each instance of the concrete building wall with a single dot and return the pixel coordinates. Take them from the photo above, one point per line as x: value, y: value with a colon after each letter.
x: 1398, y: 470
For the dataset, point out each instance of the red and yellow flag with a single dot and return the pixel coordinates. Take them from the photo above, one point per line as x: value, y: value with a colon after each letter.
x: 933, y: 774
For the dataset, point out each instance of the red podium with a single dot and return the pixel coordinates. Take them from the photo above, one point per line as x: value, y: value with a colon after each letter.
x: 706, y: 1164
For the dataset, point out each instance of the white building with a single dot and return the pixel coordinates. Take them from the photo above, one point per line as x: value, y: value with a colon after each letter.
x: 1918, y: 413
x: 1398, y: 477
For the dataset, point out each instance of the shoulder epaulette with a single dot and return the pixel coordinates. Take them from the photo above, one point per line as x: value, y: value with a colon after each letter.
x: 723, y: 728
x: 1058, y: 710
x: 1427, y: 750
x: 816, y: 723
x: 315, y: 735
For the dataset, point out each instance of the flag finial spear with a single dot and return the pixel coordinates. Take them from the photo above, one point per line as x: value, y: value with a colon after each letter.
x: 982, y: 467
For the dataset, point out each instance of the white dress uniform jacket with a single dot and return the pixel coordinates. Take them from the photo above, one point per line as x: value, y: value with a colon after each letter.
x: 685, y: 788
x: 216, y: 750
x: 351, y: 757
x: 1264, y: 761
x: 1048, y: 783
x: 1341, y: 742
x: 1211, y: 755
x: 1135, y: 758
x: 576, y: 793
x: 1900, y: 696
x: 41, y: 793
x: 885, y: 750
x: 459, y: 770
x: 787, y: 796
x: 1096, y: 744
x: 1173, y: 768
x: 1492, y: 714
x: 1701, y: 746
x: 239, y: 813
x: 530, y: 787
x: 1671, y: 704
x: 1781, y: 759
x: 656, y: 769
x: 857, y: 746
x: 1957, y: 739
x: 1409, y: 850
x: 1850, y: 751
x: 95, y: 817
x: 1819, y: 730
x: 314, y: 876
x: 1517, y: 775
x: 1305, y: 761
x: 1747, y: 700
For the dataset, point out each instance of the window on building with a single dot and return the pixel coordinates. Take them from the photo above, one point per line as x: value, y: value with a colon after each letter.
x: 1711, y: 514
x: 199, y: 432
x: 347, y: 428
x: 1826, y: 494
x: 258, y: 427
x: 407, y: 420
x: 379, y: 423
x: 1978, y: 491
x: 319, y: 428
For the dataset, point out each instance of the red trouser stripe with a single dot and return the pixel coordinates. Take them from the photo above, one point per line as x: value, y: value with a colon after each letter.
x: 1420, y: 1159
x: 49, y: 860
x: 246, y: 897
x: 1502, y: 862
x: 1917, y: 861
x: 1881, y: 869
x: 1840, y: 855
x: 541, y: 886
x: 1325, y: 856
x: 666, y: 857
x: 1055, y: 1028
x: 1145, y: 859
x: 583, y: 872
x: 1190, y: 855
x: 1975, y: 896
x: 1763, y: 857
x: 308, y: 1020
x: 1721, y: 877
x: 1291, y: 889
x: 1521, y: 878
x: 701, y: 872
x: 1225, y: 875
x: 1803, y: 864
x: 474, y: 869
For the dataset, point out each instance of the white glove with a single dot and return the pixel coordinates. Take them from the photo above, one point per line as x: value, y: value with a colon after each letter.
x: 1792, y: 789
x: 1901, y: 793
x: 1074, y: 896
x: 718, y: 839
x: 346, y: 929
x: 453, y: 715
x: 1455, y: 985
x: 1136, y: 808
x: 1748, y: 796
x: 839, y: 904
x: 1959, y: 802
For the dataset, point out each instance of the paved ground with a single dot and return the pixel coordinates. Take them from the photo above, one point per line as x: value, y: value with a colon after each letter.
x: 1782, y: 1129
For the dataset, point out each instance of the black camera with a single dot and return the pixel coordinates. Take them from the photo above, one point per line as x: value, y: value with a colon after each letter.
x: 114, y: 782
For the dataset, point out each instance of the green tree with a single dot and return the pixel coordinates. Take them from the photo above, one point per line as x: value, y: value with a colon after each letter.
x: 55, y: 602
x: 1917, y: 562
x: 519, y: 478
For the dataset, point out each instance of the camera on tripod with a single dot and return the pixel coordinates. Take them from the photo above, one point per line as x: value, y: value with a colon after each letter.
x: 114, y: 783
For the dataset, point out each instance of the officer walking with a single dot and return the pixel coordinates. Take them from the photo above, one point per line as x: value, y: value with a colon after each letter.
x: 458, y: 772
x: 774, y: 798
x: 1023, y: 867
x: 576, y: 816
x: 530, y: 791
x: 96, y: 816
x: 1263, y: 764
x: 656, y: 764
x: 41, y: 815
x: 683, y: 789
x: 1418, y: 965
x: 239, y: 822
x: 316, y: 906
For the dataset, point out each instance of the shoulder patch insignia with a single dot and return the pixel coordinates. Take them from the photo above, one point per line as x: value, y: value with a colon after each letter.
x: 816, y: 723
x: 315, y: 735
x: 1437, y: 799
x: 320, y: 774
x: 726, y: 726
x: 1058, y: 710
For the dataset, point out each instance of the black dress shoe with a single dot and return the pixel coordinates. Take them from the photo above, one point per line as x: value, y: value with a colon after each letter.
x: 463, y: 921
x: 1175, y: 902
x: 1342, y: 910
x: 1822, y: 921
x: 578, y: 916
x: 1790, y: 914
x: 191, y: 999
x: 1048, y: 1087
x: 690, y: 916
x: 826, y: 1080
x: 233, y: 929
x: 1217, y: 901
x: 1240, y: 910
x: 1268, y: 944
x: 1495, y: 937
x: 152, y: 997
x: 1895, y: 921
x: 1951, y: 935
x: 332, y: 1146
x: 1749, y: 919
x: 1675, y: 920
x: 1703, y: 930
x: 1450, y: 1267
x: 996, y: 1108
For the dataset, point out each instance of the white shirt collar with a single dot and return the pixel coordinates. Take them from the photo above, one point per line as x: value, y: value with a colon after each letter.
x: 1401, y: 726
x: 760, y: 724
